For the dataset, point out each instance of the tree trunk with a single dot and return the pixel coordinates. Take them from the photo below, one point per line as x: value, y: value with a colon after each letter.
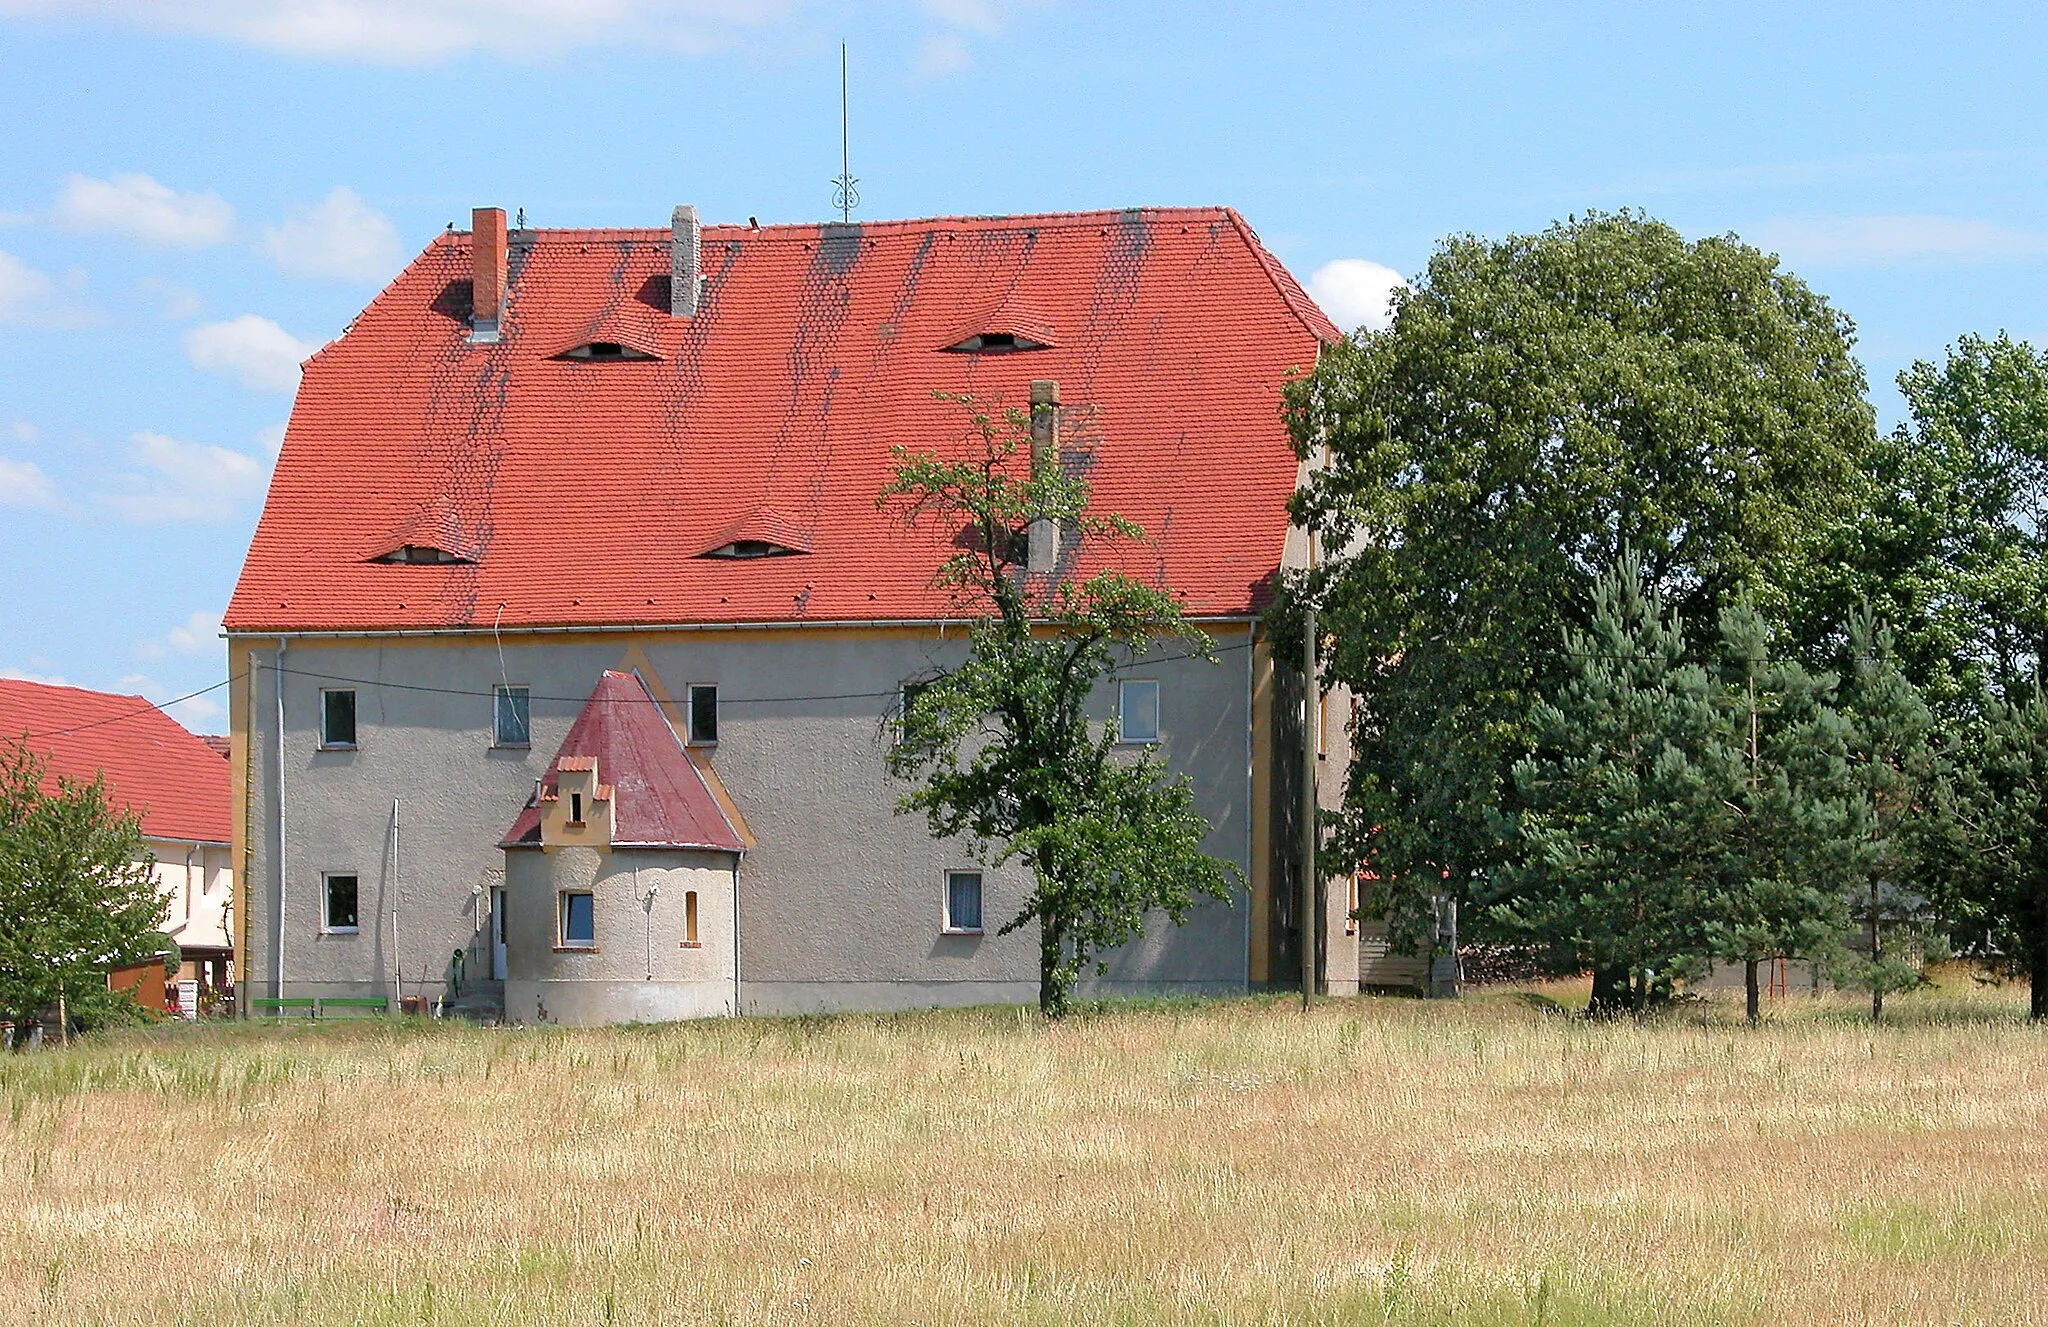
x: 1054, y: 980
x: 1610, y: 990
x: 63, y: 1020
x: 1749, y: 990
x: 1876, y: 955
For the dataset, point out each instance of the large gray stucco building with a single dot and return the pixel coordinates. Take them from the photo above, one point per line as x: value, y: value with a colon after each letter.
x: 547, y: 472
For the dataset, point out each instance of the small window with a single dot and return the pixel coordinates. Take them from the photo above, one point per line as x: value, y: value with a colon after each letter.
x: 510, y: 717
x: 995, y: 343
x: 747, y: 550
x: 579, y: 921
x: 605, y: 350
x: 424, y: 554
x: 908, y: 697
x: 690, y: 919
x: 963, y: 902
x: 337, y: 719
x: 1137, y: 712
x: 704, y: 715
x: 575, y: 808
x: 339, y: 908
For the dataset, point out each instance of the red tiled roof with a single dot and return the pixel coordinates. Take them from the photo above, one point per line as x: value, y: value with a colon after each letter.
x: 586, y: 489
x: 173, y: 780
x: 659, y: 800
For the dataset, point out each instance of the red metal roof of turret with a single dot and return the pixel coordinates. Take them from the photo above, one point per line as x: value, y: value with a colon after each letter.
x: 171, y: 779
x: 585, y: 491
x: 659, y: 800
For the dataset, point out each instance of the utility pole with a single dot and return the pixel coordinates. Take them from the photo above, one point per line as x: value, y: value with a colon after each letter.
x: 1311, y: 818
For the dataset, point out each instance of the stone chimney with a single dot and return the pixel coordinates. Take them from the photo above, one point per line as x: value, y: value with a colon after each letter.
x: 685, y: 235
x: 1044, y: 551
x: 487, y: 285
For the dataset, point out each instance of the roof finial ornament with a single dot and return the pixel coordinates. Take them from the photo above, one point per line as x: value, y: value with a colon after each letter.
x: 845, y: 196
x: 520, y: 220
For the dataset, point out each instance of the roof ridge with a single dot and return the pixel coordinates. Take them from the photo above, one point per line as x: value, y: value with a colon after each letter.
x: 1312, y: 317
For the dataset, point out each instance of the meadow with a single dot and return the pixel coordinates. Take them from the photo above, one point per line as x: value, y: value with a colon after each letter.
x: 1491, y: 1161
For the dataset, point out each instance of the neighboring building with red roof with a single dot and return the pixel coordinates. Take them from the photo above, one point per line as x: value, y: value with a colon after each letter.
x: 540, y: 460
x: 175, y: 784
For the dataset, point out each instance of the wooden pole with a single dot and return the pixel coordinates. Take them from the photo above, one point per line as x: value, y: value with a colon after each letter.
x: 1311, y: 735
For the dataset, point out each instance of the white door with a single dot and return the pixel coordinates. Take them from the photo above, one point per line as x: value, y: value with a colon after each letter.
x: 498, y: 933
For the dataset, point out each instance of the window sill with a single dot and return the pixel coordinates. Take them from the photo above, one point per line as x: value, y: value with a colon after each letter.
x: 693, y: 944
x: 1137, y: 741
x: 576, y: 949
x: 511, y: 746
x: 962, y: 930
x: 336, y: 746
x: 341, y: 930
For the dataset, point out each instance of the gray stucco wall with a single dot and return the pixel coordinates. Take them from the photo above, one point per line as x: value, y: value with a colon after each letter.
x: 839, y: 906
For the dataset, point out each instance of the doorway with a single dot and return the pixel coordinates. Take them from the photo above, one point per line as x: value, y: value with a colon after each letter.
x: 498, y: 933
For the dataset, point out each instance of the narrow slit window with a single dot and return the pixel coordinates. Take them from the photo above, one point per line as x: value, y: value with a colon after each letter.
x: 690, y: 918
x: 1137, y: 711
x: 575, y: 808
x: 704, y: 715
x: 963, y: 902
x: 579, y: 920
x: 337, y: 720
x: 511, y: 716
x: 340, y: 914
x: 911, y: 691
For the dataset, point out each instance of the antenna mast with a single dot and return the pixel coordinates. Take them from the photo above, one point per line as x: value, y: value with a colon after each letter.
x: 845, y: 196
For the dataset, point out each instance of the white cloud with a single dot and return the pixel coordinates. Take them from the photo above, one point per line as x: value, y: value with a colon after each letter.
x: 259, y: 352
x: 1880, y: 240
x: 426, y: 31
x: 138, y: 207
x: 24, y: 431
x: 271, y: 440
x: 168, y: 299
x: 199, y: 714
x: 35, y: 299
x: 942, y: 54
x: 23, y: 484
x: 184, y: 481
x: 340, y: 237
x: 23, y: 675
x: 1356, y: 293
x: 197, y: 634
x: 983, y: 16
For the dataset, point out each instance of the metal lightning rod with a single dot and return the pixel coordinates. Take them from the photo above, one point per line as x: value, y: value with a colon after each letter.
x: 845, y: 196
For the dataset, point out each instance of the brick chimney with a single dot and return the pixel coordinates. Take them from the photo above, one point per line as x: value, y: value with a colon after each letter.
x: 1044, y: 549
x: 487, y: 254
x: 685, y: 235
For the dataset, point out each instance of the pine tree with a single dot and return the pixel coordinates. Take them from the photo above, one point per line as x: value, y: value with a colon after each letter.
x: 1626, y: 806
x: 1792, y: 846
x: 1897, y: 770
x: 1997, y: 805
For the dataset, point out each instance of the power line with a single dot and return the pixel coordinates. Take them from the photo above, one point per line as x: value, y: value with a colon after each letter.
x: 151, y: 708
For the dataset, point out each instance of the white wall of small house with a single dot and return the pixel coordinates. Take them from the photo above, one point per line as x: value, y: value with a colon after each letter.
x: 840, y: 904
x: 196, y: 881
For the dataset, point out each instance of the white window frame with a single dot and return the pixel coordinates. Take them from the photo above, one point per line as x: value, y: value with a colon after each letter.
x: 562, y: 940
x: 946, y: 926
x: 497, y: 738
x: 326, y: 885
x: 355, y: 716
x: 1123, y: 690
x: 690, y: 735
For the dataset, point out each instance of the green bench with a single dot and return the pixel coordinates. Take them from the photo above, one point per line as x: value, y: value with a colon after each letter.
x: 315, y: 1006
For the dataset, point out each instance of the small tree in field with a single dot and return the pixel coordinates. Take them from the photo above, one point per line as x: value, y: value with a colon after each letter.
x: 1002, y: 746
x: 76, y: 893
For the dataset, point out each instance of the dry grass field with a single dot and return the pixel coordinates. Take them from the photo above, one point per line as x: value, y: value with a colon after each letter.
x: 1375, y: 1161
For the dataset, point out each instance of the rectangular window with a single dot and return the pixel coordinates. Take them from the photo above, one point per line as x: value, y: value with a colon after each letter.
x: 575, y: 808
x: 339, y: 912
x: 579, y: 921
x: 1137, y: 712
x: 963, y: 902
x: 337, y: 719
x: 908, y: 697
x: 511, y: 723
x: 690, y: 918
x: 704, y: 714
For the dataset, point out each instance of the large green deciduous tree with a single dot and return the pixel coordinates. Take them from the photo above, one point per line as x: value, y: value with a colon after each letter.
x: 1538, y: 404
x: 1954, y: 550
x: 1997, y: 810
x: 1002, y: 746
x: 77, y: 895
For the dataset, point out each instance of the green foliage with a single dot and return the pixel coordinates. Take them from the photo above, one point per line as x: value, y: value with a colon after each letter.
x: 1897, y: 769
x: 77, y: 896
x: 1625, y: 806
x: 1539, y: 404
x: 1997, y: 809
x: 1954, y: 549
x: 1001, y: 745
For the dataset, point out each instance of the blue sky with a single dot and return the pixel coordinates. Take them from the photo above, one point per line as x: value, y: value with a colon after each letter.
x: 196, y: 192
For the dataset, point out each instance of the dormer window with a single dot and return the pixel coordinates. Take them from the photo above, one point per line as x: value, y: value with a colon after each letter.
x: 422, y: 554
x: 743, y: 550
x: 995, y: 343
x: 611, y: 351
